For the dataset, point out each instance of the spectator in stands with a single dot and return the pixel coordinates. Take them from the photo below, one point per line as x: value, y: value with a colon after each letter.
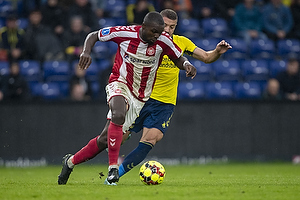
x: 247, y: 21
x: 277, y: 20
x: 226, y: 9
x: 15, y: 87
x: 84, y: 9
x: 166, y: 4
x: 40, y: 43
x: 78, y: 93
x: 204, y: 9
x: 184, y: 8
x: 272, y: 91
x: 287, y: 3
x: 136, y: 12
x: 295, y: 9
x: 80, y: 87
x: 11, y: 38
x: 290, y: 80
x: 74, y: 38
x: 53, y: 17
x: 29, y: 5
x: 66, y: 4
x: 99, y: 8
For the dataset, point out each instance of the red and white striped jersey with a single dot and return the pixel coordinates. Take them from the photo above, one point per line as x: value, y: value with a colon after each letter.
x: 136, y: 61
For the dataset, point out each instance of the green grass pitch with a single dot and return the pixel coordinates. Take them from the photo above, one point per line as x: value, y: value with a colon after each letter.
x: 267, y: 181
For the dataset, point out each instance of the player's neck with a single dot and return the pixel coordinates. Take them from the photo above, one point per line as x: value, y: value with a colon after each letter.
x: 140, y: 35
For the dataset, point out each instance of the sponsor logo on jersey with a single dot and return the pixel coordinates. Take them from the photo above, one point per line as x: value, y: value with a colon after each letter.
x: 105, y: 31
x: 167, y: 63
x: 139, y: 61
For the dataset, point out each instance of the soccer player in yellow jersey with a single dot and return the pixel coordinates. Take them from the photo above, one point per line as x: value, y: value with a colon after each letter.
x: 156, y: 114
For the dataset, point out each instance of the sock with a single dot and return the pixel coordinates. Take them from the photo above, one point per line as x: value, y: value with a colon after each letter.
x: 86, y: 153
x: 114, y: 140
x: 112, y: 166
x: 70, y: 163
x: 135, y: 157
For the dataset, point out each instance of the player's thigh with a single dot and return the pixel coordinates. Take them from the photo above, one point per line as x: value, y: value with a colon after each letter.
x: 151, y: 135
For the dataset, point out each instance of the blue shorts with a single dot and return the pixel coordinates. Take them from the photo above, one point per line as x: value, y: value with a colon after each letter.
x: 154, y: 114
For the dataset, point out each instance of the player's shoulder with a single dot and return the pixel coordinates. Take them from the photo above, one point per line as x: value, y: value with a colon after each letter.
x: 180, y: 38
x: 128, y: 28
x: 165, y: 38
x: 183, y: 41
x: 118, y: 30
x: 165, y: 35
x: 132, y: 28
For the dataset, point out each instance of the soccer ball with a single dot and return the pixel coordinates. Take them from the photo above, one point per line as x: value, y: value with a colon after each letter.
x: 152, y: 173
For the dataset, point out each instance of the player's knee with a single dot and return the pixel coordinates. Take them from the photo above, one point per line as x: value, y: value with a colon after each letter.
x: 158, y: 138
x: 118, y: 117
x: 152, y: 140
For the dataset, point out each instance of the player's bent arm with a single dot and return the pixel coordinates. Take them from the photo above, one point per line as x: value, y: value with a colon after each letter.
x: 206, y: 56
x: 211, y: 56
x: 90, y: 41
x: 85, y: 58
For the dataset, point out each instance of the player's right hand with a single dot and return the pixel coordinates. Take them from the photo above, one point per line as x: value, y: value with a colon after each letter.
x: 84, y: 61
x: 190, y: 70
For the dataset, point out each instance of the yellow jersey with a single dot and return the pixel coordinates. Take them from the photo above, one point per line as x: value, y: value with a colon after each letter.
x: 167, y: 77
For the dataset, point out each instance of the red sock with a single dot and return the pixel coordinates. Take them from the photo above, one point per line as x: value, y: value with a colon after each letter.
x: 86, y: 153
x: 114, y: 140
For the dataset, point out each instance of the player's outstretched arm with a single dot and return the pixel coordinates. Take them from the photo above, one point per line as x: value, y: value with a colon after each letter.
x: 183, y: 63
x: 211, y: 56
x: 85, y: 58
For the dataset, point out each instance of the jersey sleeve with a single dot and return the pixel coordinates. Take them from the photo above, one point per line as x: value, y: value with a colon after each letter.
x: 170, y: 48
x: 116, y: 33
x: 190, y: 46
x: 106, y: 34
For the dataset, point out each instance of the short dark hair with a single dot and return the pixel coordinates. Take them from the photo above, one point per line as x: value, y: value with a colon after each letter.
x: 171, y: 14
x: 154, y: 17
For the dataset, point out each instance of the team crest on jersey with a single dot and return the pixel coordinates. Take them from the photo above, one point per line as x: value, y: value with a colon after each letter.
x: 105, y: 31
x: 150, y: 51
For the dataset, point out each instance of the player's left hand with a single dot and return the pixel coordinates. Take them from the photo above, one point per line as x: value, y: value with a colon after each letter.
x: 223, y: 46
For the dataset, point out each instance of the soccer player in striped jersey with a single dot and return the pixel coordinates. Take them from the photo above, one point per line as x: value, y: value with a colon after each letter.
x: 140, y: 52
x: 155, y: 116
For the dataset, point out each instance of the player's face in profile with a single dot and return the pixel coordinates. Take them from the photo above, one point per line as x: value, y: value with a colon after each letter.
x: 170, y: 25
x: 150, y: 33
